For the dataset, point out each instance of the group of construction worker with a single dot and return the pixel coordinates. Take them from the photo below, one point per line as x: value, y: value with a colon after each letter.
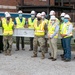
x: 45, y: 33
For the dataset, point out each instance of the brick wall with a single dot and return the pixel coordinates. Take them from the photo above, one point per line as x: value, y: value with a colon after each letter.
x: 38, y: 2
x: 35, y: 2
x: 27, y: 2
x: 8, y: 3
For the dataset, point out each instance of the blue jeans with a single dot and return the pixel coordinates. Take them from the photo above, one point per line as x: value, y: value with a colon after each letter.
x: 67, y: 47
x: 62, y: 43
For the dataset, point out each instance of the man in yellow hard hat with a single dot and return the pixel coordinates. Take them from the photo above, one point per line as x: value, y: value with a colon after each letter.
x: 8, y: 27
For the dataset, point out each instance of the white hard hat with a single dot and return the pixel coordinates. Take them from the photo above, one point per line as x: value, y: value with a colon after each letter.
x: 52, y: 12
x: 33, y: 12
x: 67, y: 16
x: 7, y: 14
x: 38, y: 15
x: 43, y: 13
x: 20, y: 12
x: 53, y: 18
x: 62, y: 14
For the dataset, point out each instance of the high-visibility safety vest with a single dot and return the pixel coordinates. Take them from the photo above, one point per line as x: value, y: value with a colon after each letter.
x: 19, y: 23
x: 7, y: 28
x: 39, y: 29
x: 51, y: 29
x: 60, y: 27
x: 64, y: 28
x: 46, y: 21
x: 31, y: 23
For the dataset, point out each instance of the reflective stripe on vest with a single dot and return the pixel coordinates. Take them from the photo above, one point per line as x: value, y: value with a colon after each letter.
x: 39, y: 29
x: 31, y: 23
x: 19, y: 23
x: 8, y: 28
x: 65, y: 29
x: 51, y: 29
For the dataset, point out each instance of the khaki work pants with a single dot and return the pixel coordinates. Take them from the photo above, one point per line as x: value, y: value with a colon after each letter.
x: 53, y: 47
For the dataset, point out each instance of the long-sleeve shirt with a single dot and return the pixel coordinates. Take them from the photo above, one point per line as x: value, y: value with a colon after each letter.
x: 70, y: 28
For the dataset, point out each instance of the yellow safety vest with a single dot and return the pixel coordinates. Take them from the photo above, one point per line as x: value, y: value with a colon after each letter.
x: 30, y: 23
x: 19, y: 23
x: 46, y: 21
x: 60, y: 29
x: 7, y: 28
x: 65, y: 29
x: 39, y: 29
x: 51, y: 29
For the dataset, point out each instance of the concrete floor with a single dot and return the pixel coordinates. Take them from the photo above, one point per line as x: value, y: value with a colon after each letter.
x: 21, y: 63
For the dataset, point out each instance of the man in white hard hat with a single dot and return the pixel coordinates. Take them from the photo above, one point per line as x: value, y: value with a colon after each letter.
x: 66, y: 34
x: 39, y: 28
x: 20, y: 23
x: 52, y: 13
x: 8, y: 27
x: 31, y: 26
x: 43, y: 14
x: 61, y: 24
x: 53, y: 29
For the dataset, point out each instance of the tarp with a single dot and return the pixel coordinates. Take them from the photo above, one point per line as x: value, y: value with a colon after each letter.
x: 13, y: 15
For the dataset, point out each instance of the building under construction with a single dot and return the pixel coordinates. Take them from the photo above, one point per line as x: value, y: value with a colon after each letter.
x: 67, y: 6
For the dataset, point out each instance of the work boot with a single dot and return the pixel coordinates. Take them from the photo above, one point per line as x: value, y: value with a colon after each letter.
x: 5, y: 52
x: 43, y: 56
x: 9, y: 52
x: 34, y: 55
